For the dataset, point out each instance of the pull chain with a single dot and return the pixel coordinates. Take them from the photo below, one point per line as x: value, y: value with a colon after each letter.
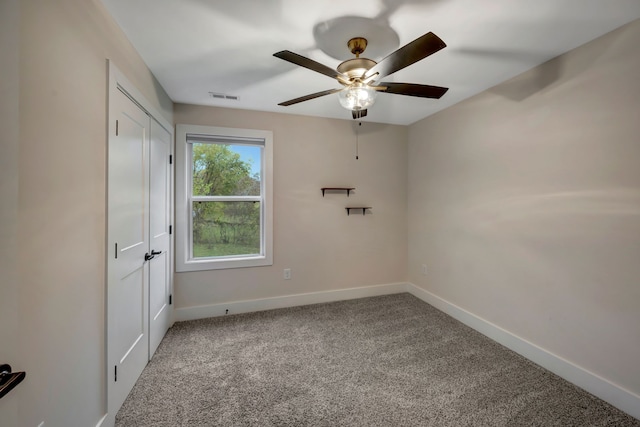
x: 359, y: 124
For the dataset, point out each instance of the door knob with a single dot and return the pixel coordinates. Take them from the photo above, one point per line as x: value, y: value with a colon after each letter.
x: 149, y: 256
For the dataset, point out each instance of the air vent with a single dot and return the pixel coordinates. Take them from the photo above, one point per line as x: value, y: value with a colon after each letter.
x: 216, y: 95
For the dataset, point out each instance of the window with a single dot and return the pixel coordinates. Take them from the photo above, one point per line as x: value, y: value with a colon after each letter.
x: 223, y: 193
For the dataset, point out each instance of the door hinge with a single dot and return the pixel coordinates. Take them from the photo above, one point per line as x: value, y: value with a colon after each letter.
x: 116, y: 251
x: 170, y: 159
x: 115, y: 373
x: 116, y: 128
x: 170, y: 299
x: 170, y: 229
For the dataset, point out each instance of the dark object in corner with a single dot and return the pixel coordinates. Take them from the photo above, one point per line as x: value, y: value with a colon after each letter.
x: 8, y: 379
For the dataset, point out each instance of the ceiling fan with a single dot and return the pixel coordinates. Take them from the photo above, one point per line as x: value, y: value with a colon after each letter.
x: 361, y: 76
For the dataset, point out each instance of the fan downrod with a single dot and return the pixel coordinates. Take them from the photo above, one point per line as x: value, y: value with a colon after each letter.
x: 357, y: 45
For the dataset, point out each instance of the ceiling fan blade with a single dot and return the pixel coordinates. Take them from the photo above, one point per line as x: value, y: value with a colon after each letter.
x: 305, y: 62
x: 408, y: 54
x: 410, y: 89
x: 308, y: 97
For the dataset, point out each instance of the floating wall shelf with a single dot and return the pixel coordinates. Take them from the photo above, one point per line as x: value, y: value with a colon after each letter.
x: 364, y: 209
x: 347, y: 189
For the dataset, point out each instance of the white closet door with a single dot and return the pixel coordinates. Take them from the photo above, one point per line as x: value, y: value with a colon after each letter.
x: 160, y: 240
x: 128, y: 273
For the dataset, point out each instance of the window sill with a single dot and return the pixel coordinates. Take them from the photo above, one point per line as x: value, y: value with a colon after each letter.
x: 221, y: 264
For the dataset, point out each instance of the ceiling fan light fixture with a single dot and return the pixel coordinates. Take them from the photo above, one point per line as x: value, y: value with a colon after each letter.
x: 361, y: 76
x: 357, y: 96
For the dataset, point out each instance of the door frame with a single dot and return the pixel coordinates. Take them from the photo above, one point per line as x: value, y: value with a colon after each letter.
x: 118, y: 82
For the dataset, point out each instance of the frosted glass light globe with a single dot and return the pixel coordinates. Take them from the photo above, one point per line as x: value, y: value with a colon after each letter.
x: 357, y: 96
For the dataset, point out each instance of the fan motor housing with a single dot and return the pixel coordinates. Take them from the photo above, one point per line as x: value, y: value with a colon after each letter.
x: 356, y: 67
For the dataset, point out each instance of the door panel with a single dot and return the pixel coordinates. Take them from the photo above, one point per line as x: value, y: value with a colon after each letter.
x: 160, y: 239
x: 128, y: 167
x: 128, y: 272
x: 128, y: 300
x: 158, y: 296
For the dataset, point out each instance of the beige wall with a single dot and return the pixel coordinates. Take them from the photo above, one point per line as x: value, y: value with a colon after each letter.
x: 61, y: 204
x: 524, y: 202
x: 9, y: 93
x: 325, y: 248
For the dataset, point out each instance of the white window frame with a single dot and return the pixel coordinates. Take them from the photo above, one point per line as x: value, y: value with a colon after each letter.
x: 184, y: 260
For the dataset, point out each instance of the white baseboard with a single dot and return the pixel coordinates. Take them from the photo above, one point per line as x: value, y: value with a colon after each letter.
x: 236, y: 307
x: 615, y: 395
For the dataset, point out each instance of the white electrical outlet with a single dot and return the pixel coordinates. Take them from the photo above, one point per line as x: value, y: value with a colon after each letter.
x: 287, y: 274
x: 424, y: 269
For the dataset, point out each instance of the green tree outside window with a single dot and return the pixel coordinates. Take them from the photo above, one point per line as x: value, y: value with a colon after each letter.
x: 225, y: 227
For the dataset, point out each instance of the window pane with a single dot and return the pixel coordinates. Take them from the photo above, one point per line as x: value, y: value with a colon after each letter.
x: 226, y: 169
x: 226, y: 228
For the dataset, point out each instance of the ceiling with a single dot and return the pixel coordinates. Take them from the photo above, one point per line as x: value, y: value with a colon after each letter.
x: 198, y: 47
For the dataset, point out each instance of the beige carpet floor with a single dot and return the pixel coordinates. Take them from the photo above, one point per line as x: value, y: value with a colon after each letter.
x: 382, y: 361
